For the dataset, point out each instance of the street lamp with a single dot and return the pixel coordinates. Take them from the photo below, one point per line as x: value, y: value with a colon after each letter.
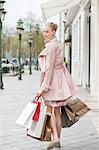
x: 2, y: 15
x: 37, y: 32
x: 30, y: 39
x: 20, y: 29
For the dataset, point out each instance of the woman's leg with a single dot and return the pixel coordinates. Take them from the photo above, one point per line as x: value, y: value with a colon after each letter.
x: 55, y: 142
x: 54, y: 125
x: 58, y: 121
x: 53, y: 122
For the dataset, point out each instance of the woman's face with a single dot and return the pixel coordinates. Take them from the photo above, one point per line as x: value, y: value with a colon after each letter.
x: 48, y: 33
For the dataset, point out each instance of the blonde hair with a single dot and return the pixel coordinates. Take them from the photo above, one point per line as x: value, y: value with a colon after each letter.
x: 52, y: 25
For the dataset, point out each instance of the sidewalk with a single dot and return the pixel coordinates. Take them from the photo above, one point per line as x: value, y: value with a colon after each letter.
x: 83, y: 135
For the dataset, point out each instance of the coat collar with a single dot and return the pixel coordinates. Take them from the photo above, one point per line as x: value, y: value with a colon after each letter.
x: 52, y: 40
x: 43, y: 52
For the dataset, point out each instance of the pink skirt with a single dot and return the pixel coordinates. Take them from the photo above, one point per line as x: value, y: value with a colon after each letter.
x: 56, y: 103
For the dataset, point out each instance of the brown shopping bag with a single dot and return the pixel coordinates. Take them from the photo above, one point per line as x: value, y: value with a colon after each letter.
x: 78, y: 107
x: 71, y: 113
x: 46, y: 132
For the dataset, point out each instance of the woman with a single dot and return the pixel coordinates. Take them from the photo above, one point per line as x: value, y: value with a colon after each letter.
x: 56, y: 83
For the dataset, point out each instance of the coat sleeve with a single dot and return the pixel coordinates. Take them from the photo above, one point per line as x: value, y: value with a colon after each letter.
x: 49, y: 66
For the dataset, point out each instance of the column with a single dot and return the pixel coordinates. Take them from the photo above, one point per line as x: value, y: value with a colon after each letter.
x: 95, y: 49
x: 83, y: 48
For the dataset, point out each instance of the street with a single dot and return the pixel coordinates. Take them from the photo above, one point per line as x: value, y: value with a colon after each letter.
x: 83, y: 135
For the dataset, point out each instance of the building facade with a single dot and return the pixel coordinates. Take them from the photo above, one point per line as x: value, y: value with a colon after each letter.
x: 85, y: 45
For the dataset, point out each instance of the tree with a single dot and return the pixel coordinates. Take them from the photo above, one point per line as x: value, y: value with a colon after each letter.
x: 8, y: 35
x: 11, y: 42
x: 30, y: 25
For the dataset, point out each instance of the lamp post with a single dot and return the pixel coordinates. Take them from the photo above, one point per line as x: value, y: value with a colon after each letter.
x: 30, y: 45
x: 20, y: 29
x: 37, y: 32
x: 2, y: 15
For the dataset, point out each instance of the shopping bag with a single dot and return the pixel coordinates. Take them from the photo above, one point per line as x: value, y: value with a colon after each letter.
x: 41, y: 129
x: 72, y: 112
x: 46, y: 131
x: 26, y: 115
x: 78, y: 107
x: 68, y: 118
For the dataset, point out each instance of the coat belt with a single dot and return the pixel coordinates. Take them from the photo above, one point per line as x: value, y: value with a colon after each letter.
x: 59, y: 66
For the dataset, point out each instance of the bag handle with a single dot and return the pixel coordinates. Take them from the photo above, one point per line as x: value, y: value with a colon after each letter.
x: 36, y: 98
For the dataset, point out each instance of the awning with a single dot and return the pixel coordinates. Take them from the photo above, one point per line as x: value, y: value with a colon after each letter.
x: 52, y: 7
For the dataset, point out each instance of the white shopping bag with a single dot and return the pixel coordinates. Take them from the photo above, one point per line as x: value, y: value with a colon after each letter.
x: 36, y: 127
x: 25, y: 117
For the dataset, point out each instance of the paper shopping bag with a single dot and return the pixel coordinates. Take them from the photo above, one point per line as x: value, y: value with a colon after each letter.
x: 46, y: 131
x: 68, y: 117
x: 26, y: 115
x: 72, y: 112
x: 78, y: 107
x: 41, y: 129
x: 35, y: 128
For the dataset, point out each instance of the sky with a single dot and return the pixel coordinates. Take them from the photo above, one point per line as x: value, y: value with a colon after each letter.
x: 17, y: 9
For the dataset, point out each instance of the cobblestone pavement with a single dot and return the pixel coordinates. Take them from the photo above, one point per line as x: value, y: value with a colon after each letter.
x: 83, y: 135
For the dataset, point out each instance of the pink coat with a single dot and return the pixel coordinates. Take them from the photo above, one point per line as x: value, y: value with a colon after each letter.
x: 56, y: 81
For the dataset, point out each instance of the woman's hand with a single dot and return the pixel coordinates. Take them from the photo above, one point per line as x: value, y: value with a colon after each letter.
x: 39, y: 93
